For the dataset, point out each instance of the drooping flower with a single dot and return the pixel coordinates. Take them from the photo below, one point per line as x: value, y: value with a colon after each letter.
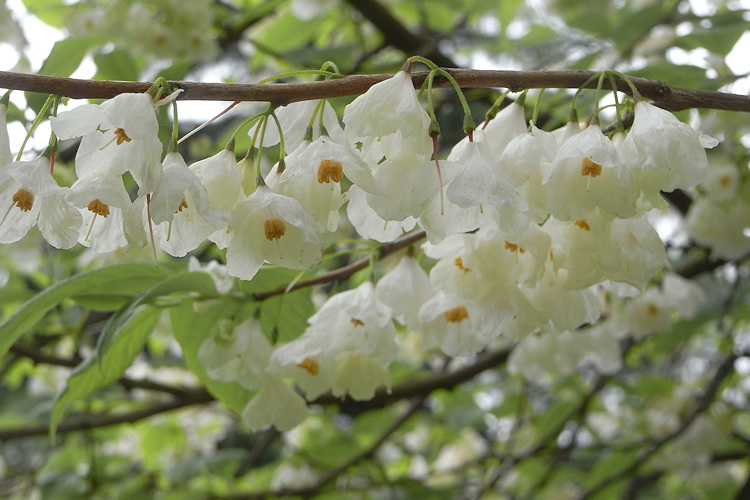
x: 30, y: 196
x: 119, y: 135
x: 273, y: 227
x: 668, y: 153
x: 386, y: 107
x: 587, y: 173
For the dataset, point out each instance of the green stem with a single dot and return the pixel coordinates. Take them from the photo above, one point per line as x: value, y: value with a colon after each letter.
x: 50, y: 100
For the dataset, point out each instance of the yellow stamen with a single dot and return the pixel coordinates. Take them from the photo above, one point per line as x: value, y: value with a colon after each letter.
x: 652, y: 309
x: 310, y: 366
x: 330, y: 170
x: 357, y: 322
x: 459, y: 263
x: 456, y: 315
x: 24, y: 199
x: 274, y: 229
x: 583, y: 224
x: 121, y: 136
x: 183, y: 204
x: 590, y: 168
x: 98, y: 208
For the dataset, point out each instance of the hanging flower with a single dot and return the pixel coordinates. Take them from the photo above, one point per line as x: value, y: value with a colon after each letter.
x: 273, y: 227
x: 119, y: 135
x: 30, y: 196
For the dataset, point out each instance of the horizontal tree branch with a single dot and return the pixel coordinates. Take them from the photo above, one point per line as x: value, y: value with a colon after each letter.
x: 201, y: 396
x: 672, y: 98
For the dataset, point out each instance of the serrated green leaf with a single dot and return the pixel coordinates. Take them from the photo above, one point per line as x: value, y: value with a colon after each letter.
x: 119, y: 277
x: 102, y: 368
x: 190, y: 329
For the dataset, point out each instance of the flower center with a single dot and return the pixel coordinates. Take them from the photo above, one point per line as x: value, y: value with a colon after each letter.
x: 590, y: 168
x: 183, y: 204
x: 459, y: 263
x: 513, y: 247
x: 121, y: 136
x: 310, y: 366
x: 583, y: 224
x: 24, y: 199
x: 330, y: 170
x: 652, y: 309
x: 456, y: 315
x: 274, y: 228
x: 724, y: 180
x: 357, y: 322
x: 98, y: 208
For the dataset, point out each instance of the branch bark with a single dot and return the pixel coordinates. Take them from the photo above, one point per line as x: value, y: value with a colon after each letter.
x: 671, y: 98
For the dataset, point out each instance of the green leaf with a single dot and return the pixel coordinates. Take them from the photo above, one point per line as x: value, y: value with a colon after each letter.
x: 287, y: 313
x: 50, y: 12
x: 116, y: 278
x: 104, y: 367
x: 185, y: 282
x: 191, y: 328
x: 117, y: 65
x: 66, y: 55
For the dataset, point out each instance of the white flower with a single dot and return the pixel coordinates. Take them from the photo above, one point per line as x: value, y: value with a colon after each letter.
x: 720, y: 228
x: 218, y: 272
x: 404, y: 289
x: 275, y: 404
x: 29, y: 196
x: 295, y: 119
x: 269, y: 226
x: 478, y: 184
x: 669, y: 153
x: 101, y: 201
x: 5, y: 155
x: 587, y: 173
x: 119, y: 135
x: 386, y: 107
x: 368, y: 223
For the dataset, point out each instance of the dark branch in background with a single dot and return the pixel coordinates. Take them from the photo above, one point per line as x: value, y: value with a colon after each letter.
x: 200, y: 396
x: 397, y: 35
x: 671, y: 98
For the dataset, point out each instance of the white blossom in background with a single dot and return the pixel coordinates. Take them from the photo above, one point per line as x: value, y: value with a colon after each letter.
x: 722, y: 228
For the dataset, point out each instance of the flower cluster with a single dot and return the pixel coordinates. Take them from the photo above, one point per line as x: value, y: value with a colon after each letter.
x: 526, y: 229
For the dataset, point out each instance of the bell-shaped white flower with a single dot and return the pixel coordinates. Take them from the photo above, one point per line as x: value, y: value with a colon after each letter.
x: 669, y: 153
x: 587, y: 173
x: 295, y: 119
x: 720, y: 228
x: 273, y: 227
x: 478, y: 184
x: 119, y: 135
x: 30, y: 196
x: 386, y: 107
x: 275, y: 404
x: 368, y: 223
x: 509, y: 123
x: 405, y: 288
x: 101, y: 201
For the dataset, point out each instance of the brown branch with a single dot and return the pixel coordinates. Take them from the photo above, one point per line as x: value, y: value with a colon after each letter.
x: 40, y: 357
x: 347, y: 271
x: 672, y: 98
x: 97, y: 421
x: 200, y: 396
x: 397, y: 35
